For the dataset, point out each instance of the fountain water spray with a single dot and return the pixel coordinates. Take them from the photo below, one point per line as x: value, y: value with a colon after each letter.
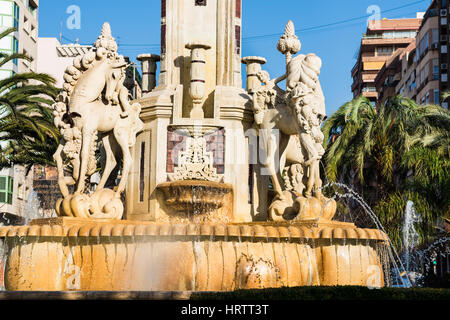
x: 3, y: 251
x: 351, y: 194
x: 410, y: 235
x: 32, y: 207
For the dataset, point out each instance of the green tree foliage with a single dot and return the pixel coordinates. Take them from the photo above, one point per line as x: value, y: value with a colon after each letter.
x: 27, y: 133
x: 390, y: 155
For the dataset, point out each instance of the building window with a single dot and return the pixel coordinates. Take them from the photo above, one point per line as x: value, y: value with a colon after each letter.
x: 423, y: 45
x: 435, y: 36
x: 444, y: 49
x: 6, y: 190
x: 437, y: 98
x: 427, y: 98
x: 435, y: 69
x: 16, y: 16
x: 384, y: 51
x: 15, y: 47
x: 444, y: 77
x: 369, y: 88
x: 443, y: 21
x: 394, y: 35
x: 238, y: 39
x: 423, y: 75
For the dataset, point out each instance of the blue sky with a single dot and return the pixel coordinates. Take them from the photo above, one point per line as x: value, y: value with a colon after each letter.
x: 320, y: 24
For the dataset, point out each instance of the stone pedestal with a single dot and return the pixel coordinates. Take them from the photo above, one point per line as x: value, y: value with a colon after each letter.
x: 253, y: 68
x: 148, y: 71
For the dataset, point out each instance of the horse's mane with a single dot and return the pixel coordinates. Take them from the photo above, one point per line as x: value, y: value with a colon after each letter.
x: 80, y: 65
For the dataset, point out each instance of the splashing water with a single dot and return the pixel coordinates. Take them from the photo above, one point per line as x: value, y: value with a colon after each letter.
x: 398, y: 267
x: 32, y: 207
x: 424, y: 258
x: 3, y: 251
x: 410, y: 235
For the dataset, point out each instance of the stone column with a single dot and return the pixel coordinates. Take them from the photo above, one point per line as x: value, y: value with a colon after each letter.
x: 253, y: 67
x: 198, y: 75
x: 148, y: 71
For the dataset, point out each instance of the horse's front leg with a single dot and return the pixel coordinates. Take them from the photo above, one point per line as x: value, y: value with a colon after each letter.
x: 122, y: 136
x: 110, y: 161
x: 271, y: 148
x: 61, y: 178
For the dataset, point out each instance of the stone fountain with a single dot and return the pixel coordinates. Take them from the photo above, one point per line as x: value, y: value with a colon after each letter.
x: 197, y: 153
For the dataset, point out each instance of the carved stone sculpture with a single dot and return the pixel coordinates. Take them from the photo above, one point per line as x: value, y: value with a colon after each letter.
x: 196, y: 163
x: 296, y: 114
x: 93, y: 104
x: 198, y: 74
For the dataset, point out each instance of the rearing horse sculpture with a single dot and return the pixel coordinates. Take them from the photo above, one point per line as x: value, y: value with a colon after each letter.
x: 296, y: 114
x: 95, y: 102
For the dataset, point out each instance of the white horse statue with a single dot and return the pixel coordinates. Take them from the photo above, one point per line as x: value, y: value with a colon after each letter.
x: 94, y: 102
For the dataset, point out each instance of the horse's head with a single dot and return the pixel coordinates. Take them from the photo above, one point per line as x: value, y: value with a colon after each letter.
x: 115, y: 75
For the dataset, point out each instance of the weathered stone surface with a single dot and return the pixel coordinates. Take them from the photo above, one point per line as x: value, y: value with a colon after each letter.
x: 111, y: 255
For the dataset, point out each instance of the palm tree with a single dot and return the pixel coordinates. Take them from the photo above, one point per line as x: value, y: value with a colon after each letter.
x: 27, y: 131
x: 392, y: 155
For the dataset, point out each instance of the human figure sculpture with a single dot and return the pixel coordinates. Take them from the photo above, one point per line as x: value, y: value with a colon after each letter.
x: 93, y: 104
x: 306, y: 97
x: 298, y: 114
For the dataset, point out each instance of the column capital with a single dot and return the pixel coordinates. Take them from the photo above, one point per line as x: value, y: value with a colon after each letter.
x: 148, y: 57
x: 253, y: 59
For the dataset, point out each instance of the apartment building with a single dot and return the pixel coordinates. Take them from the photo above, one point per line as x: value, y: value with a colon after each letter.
x: 23, y: 15
x: 15, y: 189
x: 382, y: 39
x: 421, y: 70
x: 443, y: 10
x: 407, y: 84
x: 15, y: 183
x: 54, y: 57
x: 420, y: 75
x: 390, y: 75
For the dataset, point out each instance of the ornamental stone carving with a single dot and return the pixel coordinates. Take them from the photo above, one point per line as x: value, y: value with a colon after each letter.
x: 296, y: 114
x: 93, y: 104
x: 196, y: 163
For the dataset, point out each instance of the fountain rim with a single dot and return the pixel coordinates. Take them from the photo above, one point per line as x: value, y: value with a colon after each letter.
x: 88, y: 228
x: 195, y: 183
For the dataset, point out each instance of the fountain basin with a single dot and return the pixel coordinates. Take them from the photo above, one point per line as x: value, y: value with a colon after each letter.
x: 68, y: 254
x: 197, y: 200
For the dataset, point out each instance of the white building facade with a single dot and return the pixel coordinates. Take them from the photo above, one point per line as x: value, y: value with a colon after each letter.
x: 22, y: 15
x: 15, y: 184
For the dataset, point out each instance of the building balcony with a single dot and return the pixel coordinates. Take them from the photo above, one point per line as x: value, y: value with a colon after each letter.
x: 369, y: 77
x: 385, y: 41
x: 370, y: 95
